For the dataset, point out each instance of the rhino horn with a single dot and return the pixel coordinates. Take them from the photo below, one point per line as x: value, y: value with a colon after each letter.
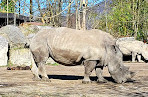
x: 133, y: 74
x: 126, y: 68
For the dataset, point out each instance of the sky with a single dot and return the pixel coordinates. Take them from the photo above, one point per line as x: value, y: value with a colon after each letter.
x: 43, y: 5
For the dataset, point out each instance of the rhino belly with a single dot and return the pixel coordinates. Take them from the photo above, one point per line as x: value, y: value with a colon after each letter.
x: 66, y: 57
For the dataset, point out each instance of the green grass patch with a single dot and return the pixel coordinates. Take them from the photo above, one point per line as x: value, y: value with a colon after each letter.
x: 55, y: 64
x: 10, y: 64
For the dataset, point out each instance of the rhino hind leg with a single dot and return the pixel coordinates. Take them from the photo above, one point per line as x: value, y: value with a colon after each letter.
x: 99, y: 70
x: 89, y: 66
x: 42, y: 71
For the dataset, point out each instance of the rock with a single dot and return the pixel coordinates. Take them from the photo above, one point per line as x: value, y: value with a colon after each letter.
x: 29, y: 29
x: 20, y: 57
x: 44, y: 27
x: 13, y: 35
x: 126, y: 39
x: 3, y: 51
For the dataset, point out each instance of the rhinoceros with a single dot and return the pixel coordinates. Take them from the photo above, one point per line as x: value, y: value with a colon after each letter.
x: 92, y: 48
x: 135, y: 48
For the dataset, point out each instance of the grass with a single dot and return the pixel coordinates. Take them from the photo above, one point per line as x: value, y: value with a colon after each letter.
x: 55, y: 64
x: 9, y: 64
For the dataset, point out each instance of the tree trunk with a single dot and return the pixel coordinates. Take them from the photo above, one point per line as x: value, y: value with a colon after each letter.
x: 59, y: 10
x: 55, y: 12
x: 106, y: 16
x: 76, y: 7
x: 19, y: 6
x: 84, y: 14
x: 79, y: 16
x: 68, y: 15
x: 41, y: 14
x: 31, y: 7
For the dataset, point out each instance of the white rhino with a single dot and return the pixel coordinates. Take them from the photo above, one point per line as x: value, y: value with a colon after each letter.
x: 94, y: 49
x: 135, y: 48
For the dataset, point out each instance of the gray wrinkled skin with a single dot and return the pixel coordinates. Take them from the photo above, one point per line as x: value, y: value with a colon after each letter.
x: 93, y: 48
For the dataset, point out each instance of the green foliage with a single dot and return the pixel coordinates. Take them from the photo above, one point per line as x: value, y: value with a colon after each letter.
x: 11, y: 5
x: 9, y: 64
x: 127, y: 18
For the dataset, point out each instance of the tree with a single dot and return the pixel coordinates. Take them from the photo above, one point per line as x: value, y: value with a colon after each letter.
x: 84, y: 14
x: 126, y: 18
x: 76, y: 7
x: 31, y: 7
x: 11, y: 5
x: 68, y: 15
x: 41, y: 14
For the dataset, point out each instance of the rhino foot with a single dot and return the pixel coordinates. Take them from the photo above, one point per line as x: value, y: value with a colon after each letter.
x: 86, y: 82
x: 35, y: 78
x: 45, y: 79
x: 102, y: 81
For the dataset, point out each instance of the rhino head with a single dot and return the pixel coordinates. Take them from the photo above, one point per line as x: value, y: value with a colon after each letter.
x: 122, y: 74
x: 145, y: 51
x: 117, y: 70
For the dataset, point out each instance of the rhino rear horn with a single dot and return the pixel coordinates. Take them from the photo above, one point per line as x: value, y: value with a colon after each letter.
x: 127, y: 68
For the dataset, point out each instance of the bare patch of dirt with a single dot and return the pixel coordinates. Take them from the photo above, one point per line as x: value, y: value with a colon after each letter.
x: 67, y: 82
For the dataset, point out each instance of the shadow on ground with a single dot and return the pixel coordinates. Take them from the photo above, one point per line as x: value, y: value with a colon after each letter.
x: 73, y: 77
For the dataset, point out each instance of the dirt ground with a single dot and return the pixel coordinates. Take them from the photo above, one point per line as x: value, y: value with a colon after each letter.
x: 67, y: 82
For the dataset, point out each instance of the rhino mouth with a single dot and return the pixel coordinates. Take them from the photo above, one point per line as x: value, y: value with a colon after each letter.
x: 123, y: 77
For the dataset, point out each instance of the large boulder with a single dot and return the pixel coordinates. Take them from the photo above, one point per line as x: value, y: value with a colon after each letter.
x: 14, y: 36
x: 20, y: 57
x: 3, y: 51
x: 44, y: 27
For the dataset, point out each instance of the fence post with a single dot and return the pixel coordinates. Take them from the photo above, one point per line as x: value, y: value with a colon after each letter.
x: 7, y: 13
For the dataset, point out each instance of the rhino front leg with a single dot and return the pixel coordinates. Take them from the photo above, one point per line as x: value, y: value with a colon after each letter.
x: 35, y: 71
x: 42, y: 71
x: 133, y: 56
x: 89, y: 67
x: 40, y: 56
x: 99, y: 70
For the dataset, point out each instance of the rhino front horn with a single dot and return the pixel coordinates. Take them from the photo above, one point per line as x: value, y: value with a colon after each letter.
x: 133, y: 74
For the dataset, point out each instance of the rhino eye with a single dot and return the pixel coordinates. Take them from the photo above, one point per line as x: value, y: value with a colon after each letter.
x: 114, y: 47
